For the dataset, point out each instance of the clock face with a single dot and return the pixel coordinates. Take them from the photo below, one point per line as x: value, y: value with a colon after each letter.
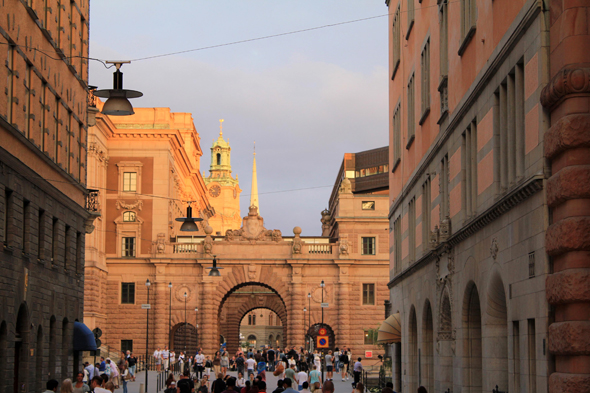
x: 214, y: 191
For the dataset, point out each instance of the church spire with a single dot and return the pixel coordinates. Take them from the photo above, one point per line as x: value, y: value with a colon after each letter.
x: 254, y: 194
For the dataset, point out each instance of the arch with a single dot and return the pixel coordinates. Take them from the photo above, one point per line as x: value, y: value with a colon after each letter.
x: 445, y: 339
x: 184, y: 338
x: 270, y: 340
x: 413, y: 351
x: 278, y: 341
x: 65, y: 348
x: 129, y: 216
x: 21, y: 348
x: 236, y: 280
x: 427, y: 358
x: 52, y: 346
x: 251, y: 340
x: 39, y: 360
x: 496, y: 335
x: 218, y: 158
x: 314, y: 331
x: 472, y: 340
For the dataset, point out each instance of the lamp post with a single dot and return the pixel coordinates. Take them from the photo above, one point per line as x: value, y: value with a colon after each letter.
x: 304, y: 315
x: 196, y: 325
x: 170, y: 318
x: 185, y: 322
x: 309, y: 318
x: 322, y: 286
x: 147, y: 333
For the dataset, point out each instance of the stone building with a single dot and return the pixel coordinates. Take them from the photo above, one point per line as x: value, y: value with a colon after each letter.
x: 488, y: 132
x: 260, y: 327
x: 261, y: 269
x: 43, y: 212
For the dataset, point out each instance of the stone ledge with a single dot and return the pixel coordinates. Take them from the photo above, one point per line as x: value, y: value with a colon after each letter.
x: 572, y: 383
x: 571, y: 182
x: 567, y: 82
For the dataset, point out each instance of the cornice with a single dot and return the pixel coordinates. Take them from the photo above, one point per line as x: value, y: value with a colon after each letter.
x: 568, y: 82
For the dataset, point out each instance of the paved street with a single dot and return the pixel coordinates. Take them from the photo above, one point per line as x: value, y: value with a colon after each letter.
x: 271, y: 382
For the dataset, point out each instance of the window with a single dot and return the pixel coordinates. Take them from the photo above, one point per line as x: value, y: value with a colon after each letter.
x: 79, y: 252
x: 397, y: 240
x: 411, y: 120
x: 412, y: 228
x: 532, y: 355
x: 425, y: 81
x: 375, y: 170
x: 130, y: 181
x: 444, y: 187
x: 128, y: 247
x: 368, y: 338
x: 252, y: 340
x: 396, y: 45
x: 41, y: 235
x: 252, y: 319
x: 397, y: 137
x: 410, y: 17
x: 444, y: 59
x: 218, y: 158
x: 426, y: 209
x: 368, y: 205
x: 368, y: 294
x: 8, y: 213
x: 127, y: 293
x: 55, y: 244
x: 368, y: 245
x: 26, y: 228
x: 126, y: 345
x: 468, y: 14
x: 509, y: 130
x: 469, y: 164
x: 129, y: 217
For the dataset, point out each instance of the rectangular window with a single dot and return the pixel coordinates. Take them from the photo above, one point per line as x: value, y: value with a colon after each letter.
x: 532, y: 356
x: 128, y: 247
x: 468, y: 14
x: 368, y: 205
x: 425, y: 81
x: 444, y: 59
x: 127, y: 293
x: 410, y: 17
x: 368, y: 338
x: 68, y: 248
x: 41, y: 235
x: 54, y: 242
x: 397, y: 137
x: 397, y: 252
x: 26, y: 228
x: 469, y: 173
x: 412, y: 228
x: 79, y: 252
x: 444, y: 187
x: 368, y: 294
x: 411, y: 115
x: 396, y: 44
x: 130, y: 181
x: 126, y: 345
x: 368, y: 245
x: 426, y: 209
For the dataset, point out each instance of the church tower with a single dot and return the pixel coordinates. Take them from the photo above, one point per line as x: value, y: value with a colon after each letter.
x: 224, y: 191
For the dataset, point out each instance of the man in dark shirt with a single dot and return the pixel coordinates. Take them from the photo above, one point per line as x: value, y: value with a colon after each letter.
x: 280, y: 387
x: 218, y: 386
x: 270, y: 354
x: 184, y: 384
x: 231, y: 385
x: 257, y: 357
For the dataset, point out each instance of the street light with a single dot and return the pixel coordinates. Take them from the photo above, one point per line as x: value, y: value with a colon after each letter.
x: 189, y: 222
x: 185, y: 322
x: 170, y: 318
x: 304, y: 315
x: 322, y: 285
x: 214, y: 270
x: 117, y: 103
x: 147, y: 333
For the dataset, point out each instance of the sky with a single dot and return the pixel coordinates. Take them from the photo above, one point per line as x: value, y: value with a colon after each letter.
x: 305, y: 98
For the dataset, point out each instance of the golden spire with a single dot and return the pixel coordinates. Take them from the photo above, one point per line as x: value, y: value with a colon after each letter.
x: 254, y: 194
x: 220, y: 127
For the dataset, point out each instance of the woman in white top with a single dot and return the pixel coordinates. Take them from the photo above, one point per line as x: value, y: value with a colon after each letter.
x: 317, y: 360
x: 241, y: 381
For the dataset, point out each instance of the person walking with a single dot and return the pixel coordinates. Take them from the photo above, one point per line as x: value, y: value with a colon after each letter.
x: 217, y: 362
x: 199, y: 364
x: 125, y: 377
x: 240, y: 362
x: 302, y: 376
x: 315, y: 377
x: 66, y: 386
x: 250, y: 365
x: 224, y: 362
x: 344, y: 361
x: 132, y: 363
x: 328, y: 360
x: 80, y: 386
x: 218, y: 386
x: 358, y: 369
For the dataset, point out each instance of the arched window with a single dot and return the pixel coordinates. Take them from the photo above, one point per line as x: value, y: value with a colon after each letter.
x: 249, y: 319
x: 218, y: 159
x: 252, y: 340
x: 129, y: 217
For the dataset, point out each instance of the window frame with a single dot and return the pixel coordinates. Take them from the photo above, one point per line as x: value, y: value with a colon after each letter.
x: 126, y: 293
x: 130, y: 167
x: 365, y: 299
x: 124, y: 247
x: 362, y: 243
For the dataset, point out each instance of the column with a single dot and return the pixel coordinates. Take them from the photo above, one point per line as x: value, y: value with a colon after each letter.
x: 295, y: 315
x: 159, y: 312
x: 343, y: 294
x: 209, y: 321
x: 566, y: 147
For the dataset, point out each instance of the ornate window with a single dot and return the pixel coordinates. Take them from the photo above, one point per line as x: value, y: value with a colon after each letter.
x: 129, y: 216
x: 129, y: 176
x: 128, y: 232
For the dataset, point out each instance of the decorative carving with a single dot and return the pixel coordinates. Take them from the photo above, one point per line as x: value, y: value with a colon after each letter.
x: 344, y: 245
x: 568, y: 81
x: 93, y: 201
x: 129, y: 206
x: 316, y: 293
x: 345, y: 186
x: 494, y: 248
x: 208, y: 242
x: 297, y: 240
x: 253, y: 230
x: 252, y: 272
x: 161, y: 243
x: 445, y: 229
x: 433, y: 239
x: 180, y: 291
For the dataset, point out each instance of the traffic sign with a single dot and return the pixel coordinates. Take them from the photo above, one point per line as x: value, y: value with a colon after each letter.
x: 146, y: 306
x: 324, y: 305
x: 97, y: 332
x: 323, y: 342
x: 322, y: 332
x: 98, y: 343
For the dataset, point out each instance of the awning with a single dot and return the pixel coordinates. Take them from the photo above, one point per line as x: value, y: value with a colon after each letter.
x: 83, y: 338
x: 390, y: 330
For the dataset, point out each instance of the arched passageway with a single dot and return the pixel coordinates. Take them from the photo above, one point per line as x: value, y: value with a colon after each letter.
x: 472, y: 345
x: 413, y: 351
x: 427, y: 358
x: 496, y: 336
x: 445, y: 339
x: 316, y: 330
x: 21, y: 345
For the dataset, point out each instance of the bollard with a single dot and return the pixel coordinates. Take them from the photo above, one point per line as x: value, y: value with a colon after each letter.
x: 141, y: 388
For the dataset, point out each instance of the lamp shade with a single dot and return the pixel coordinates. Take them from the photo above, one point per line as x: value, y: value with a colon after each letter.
x: 117, y: 106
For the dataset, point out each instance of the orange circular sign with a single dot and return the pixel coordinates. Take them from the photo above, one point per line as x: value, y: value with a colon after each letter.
x: 323, y: 332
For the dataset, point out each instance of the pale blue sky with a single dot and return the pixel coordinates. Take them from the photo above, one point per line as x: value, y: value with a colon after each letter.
x: 306, y: 99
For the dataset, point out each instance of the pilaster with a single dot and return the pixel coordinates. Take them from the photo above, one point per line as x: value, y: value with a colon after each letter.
x: 343, y: 293
x: 295, y: 315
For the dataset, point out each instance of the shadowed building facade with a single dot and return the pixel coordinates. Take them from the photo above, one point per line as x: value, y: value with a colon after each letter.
x: 43, y: 204
x: 488, y: 130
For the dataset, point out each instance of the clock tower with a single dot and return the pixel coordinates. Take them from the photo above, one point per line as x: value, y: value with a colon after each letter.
x: 223, y: 190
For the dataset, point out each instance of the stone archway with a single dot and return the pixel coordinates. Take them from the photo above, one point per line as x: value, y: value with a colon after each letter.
x: 237, y: 308
x: 314, y: 331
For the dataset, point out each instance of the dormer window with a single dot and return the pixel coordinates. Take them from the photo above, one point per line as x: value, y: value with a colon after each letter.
x: 129, y: 217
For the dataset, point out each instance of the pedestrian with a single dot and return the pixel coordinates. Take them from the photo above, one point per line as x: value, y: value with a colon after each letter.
x: 96, y: 384
x: 422, y: 389
x: 184, y: 384
x: 329, y: 366
x: 304, y: 388
x: 230, y: 385
x: 165, y: 354
x: 224, y: 361
x: 241, y: 381
x: 317, y: 360
x: 358, y: 369
x: 125, y: 377
x: 158, y: 359
x: 172, y: 359
x: 132, y: 365
x: 102, y: 366
x: 315, y: 377
x: 290, y: 374
x: 66, y: 386
x: 359, y: 388
x: 51, y: 386
x: 80, y: 386
x: 250, y: 365
x: 387, y: 390
x: 302, y: 376
x: 208, y: 367
x: 114, y: 377
x: 218, y: 386
x: 261, y: 386
x: 270, y: 355
x: 328, y: 387
x: 246, y: 387
x: 337, y: 360
x: 171, y: 388
x: 240, y: 363
x: 216, y: 362
x: 344, y: 361
x: 199, y: 364
x: 287, y: 383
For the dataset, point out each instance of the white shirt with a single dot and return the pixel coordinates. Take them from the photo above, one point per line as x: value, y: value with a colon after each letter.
x: 251, y: 363
x: 241, y: 382
x: 301, y: 377
x: 101, y: 390
x: 165, y: 354
x: 200, y: 359
x: 157, y: 354
x: 172, y: 356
